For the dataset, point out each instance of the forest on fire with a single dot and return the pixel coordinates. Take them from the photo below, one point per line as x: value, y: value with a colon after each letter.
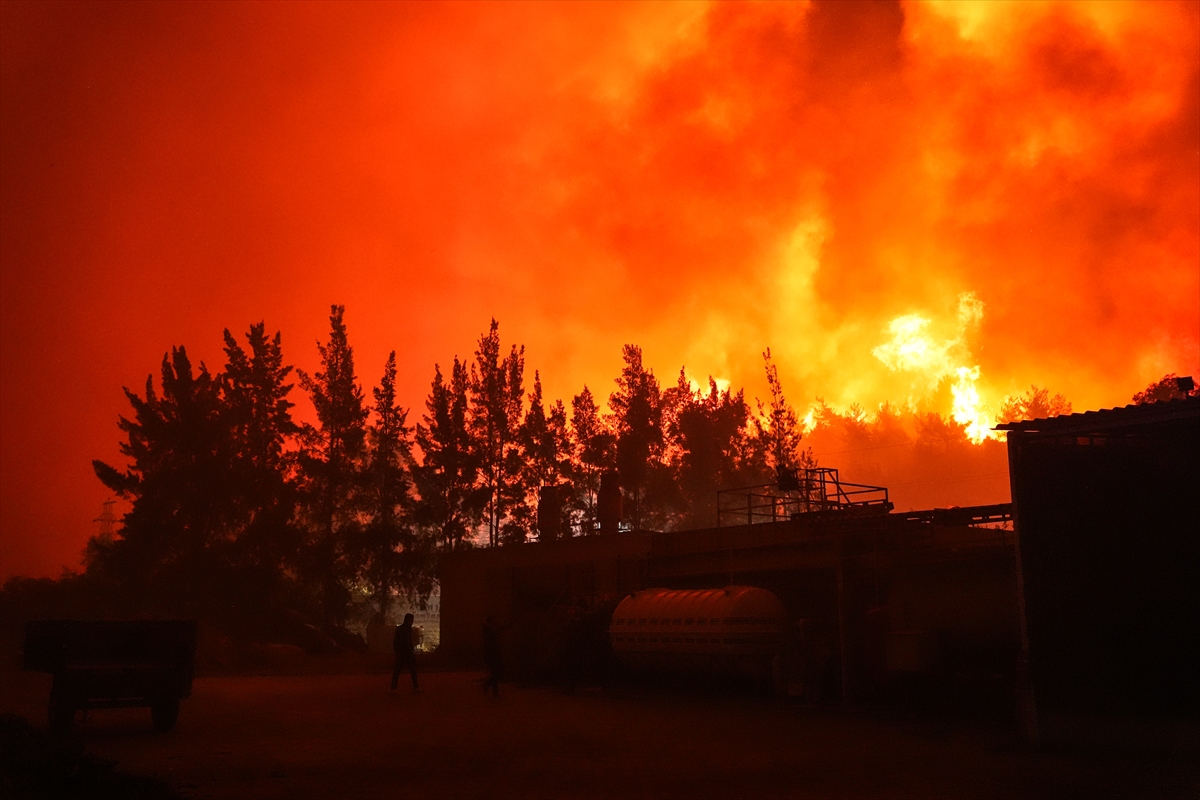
x: 235, y: 505
x: 244, y: 517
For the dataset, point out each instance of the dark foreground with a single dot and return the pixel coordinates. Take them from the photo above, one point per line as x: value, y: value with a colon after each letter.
x: 330, y: 736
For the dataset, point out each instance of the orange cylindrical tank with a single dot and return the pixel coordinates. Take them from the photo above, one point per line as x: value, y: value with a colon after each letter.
x: 736, y: 630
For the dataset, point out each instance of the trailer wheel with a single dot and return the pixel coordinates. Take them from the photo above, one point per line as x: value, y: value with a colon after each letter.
x: 165, y: 713
x: 61, y: 713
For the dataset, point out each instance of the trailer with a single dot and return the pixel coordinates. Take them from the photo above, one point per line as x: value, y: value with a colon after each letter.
x: 113, y: 664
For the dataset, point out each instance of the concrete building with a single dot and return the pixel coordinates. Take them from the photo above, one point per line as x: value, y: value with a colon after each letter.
x: 1083, y: 594
x: 929, y: 593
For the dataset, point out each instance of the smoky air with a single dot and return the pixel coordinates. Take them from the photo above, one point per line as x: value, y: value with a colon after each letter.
x: 592, y: 400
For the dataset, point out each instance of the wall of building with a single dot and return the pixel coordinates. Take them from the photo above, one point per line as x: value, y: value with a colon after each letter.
x: 523, y: 585
x: 1111, y: 553
x: 953, y: 588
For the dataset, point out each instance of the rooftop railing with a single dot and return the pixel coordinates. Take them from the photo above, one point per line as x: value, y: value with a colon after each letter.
x: 804, y: 491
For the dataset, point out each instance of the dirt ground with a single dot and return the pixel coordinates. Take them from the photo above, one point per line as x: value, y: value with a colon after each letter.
x: 334, y: 736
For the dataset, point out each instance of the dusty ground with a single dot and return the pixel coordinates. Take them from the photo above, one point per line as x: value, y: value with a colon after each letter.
x: 332, y: 736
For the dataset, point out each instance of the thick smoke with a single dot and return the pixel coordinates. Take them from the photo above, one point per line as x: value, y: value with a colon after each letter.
x: 805, y: 176
x: 703, y: 180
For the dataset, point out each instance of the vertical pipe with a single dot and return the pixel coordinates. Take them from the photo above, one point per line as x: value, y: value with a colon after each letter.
x: 728, y: 540
x: 841, y: 607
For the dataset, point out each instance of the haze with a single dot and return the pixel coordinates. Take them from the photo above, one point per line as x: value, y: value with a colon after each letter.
x: 704, y: 180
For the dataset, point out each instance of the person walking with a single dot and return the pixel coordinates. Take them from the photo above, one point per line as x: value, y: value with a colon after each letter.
x: 402, y: 645
x: 491, y: 656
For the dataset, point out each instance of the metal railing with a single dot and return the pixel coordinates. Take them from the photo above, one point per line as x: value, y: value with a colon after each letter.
x: 814, y: 490
x: 996, y: 514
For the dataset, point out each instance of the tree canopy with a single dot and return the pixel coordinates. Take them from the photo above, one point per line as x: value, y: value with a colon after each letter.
x: 1170, y: 387
x: 346, y: 515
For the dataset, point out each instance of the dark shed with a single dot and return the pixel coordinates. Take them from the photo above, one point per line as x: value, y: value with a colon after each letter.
x: 1106, y: 505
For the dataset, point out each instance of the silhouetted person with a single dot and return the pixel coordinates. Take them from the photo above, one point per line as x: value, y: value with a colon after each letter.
x: 580, y: 661
x: 491, y: 656
x: 402, y: 644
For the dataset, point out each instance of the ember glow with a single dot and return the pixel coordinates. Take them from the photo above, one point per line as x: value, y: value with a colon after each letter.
x: 927, y: 204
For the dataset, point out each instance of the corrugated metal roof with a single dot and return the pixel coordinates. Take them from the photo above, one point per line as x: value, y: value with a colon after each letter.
x: 1109, y: 419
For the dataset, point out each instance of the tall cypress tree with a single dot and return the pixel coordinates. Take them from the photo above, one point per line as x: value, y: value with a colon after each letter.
x: 450, y: 503
x: 593, y: 450
x: 259, y: 423
x: 179, y: 485
x: 331, y: 459
x: 544, y: 458
x: 391, y: 556
x: 711, y: 451
x: 638, y: 420
x: 496, y: 401
x: 777, y: 426
x: 255, y: 391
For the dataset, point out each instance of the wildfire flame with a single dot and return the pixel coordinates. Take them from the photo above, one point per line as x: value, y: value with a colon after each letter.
x: 968, y: 410
x: 914, y: 349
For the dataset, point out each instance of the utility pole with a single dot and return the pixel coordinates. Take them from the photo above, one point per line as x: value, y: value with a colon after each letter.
x: 106, y: 520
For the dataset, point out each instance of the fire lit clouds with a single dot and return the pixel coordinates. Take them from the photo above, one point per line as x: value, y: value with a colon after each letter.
x: 887, y: 195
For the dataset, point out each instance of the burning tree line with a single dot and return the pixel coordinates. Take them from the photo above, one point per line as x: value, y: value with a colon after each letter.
x: 237, y: 509
x: 243, y: 517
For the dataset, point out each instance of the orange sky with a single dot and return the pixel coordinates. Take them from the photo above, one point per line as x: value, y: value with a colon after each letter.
x: 703, y: 180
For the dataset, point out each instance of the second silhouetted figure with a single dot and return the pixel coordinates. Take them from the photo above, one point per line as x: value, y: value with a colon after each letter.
x: 492, y: 656
x: 402, y: 644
